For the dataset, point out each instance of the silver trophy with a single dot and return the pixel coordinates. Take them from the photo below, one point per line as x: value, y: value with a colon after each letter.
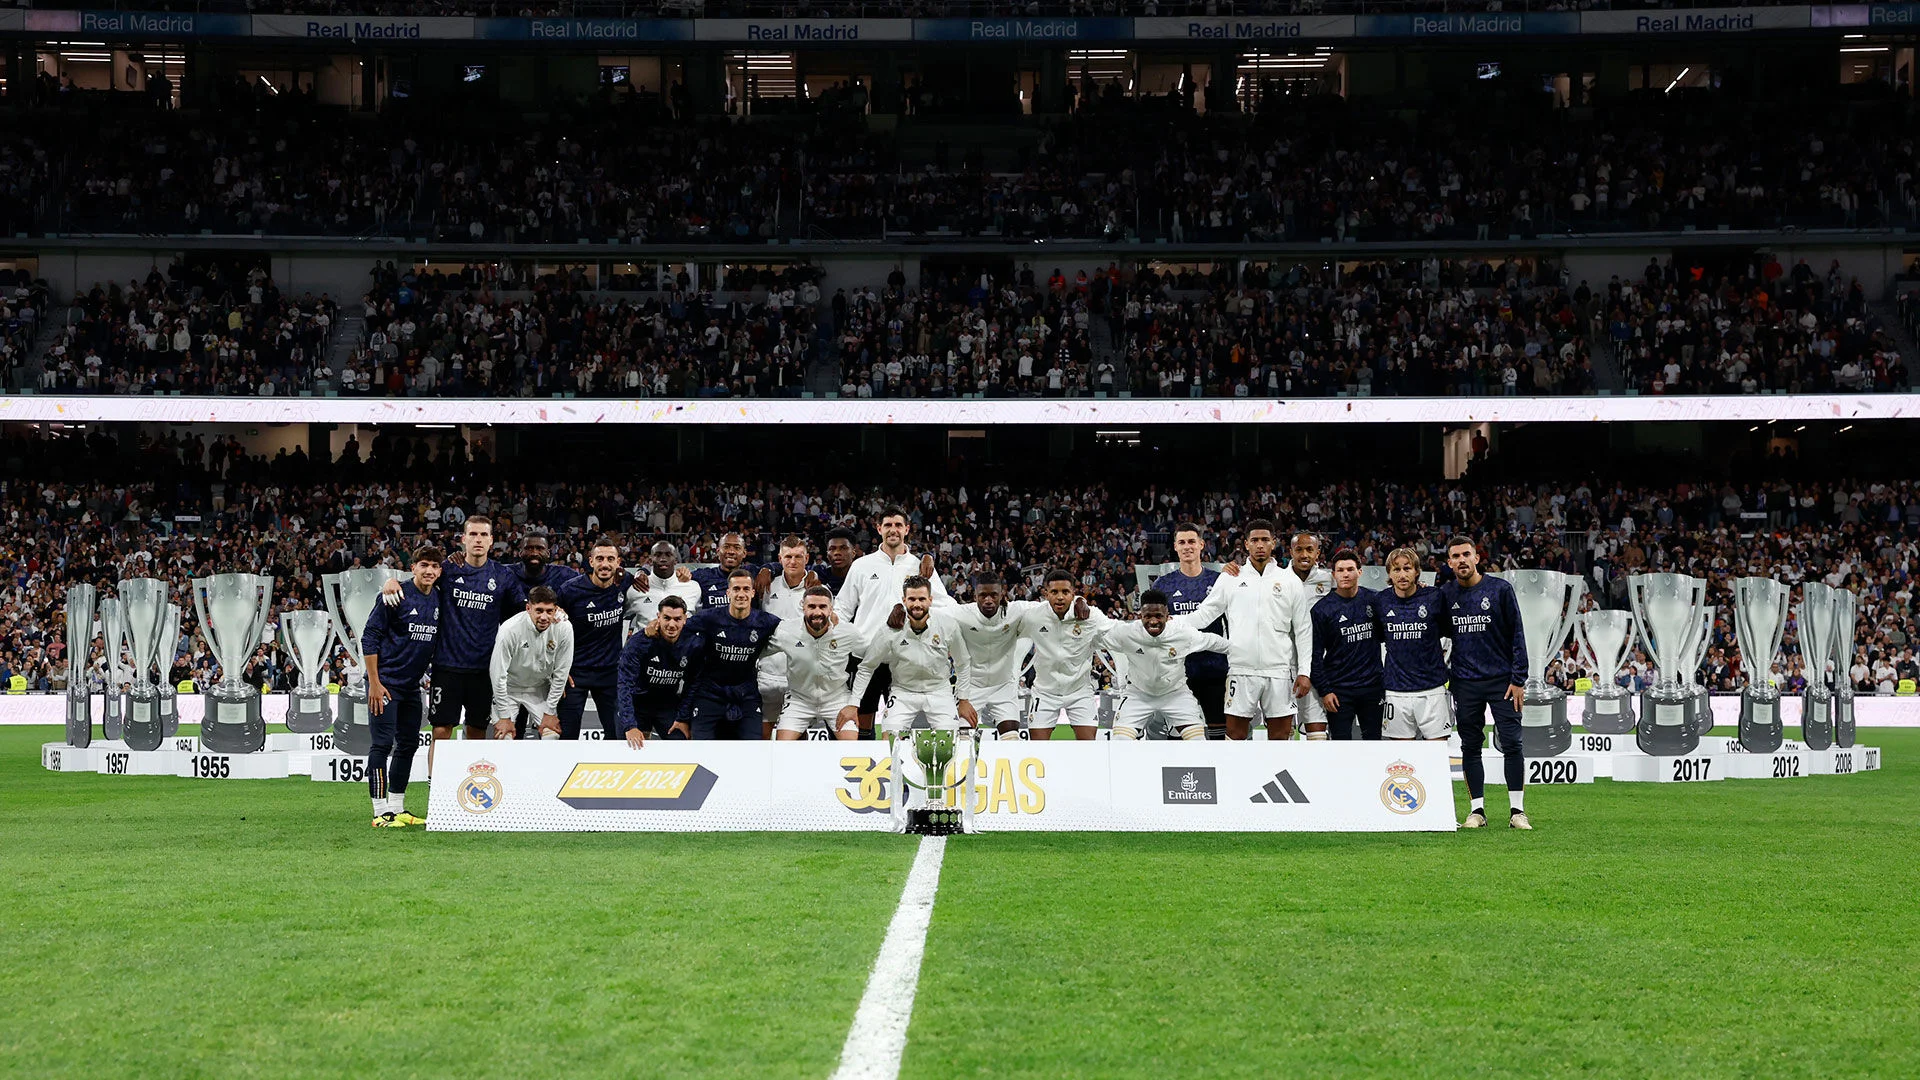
x: 1701, y: 706
x: 1816, y: 652
x: 1375, y: 578
x: 1759, y: 622
x: 307, y: 636
x: 143, y: 610
x: 1549, y: 603
x: 1845, y: 614
x: 1667, y: 609
x: 233, y: 610
x: 170, y: 694
x: 350, y: 598
x: 1607, y: 639
x: 113, y: 635
x: 82, y: 600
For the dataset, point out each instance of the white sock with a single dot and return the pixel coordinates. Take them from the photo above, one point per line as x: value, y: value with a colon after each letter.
x: 381, y: 805
x: 1477, y: 806
x: 1318, y: 736
x: 1517, y: 800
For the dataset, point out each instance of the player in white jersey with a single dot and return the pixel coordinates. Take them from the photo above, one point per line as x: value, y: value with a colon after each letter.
x: 994, y: 642
x: 662, y: 578
x: 929, y: 661
x: 532, y: 654
x: 780, y: 595
x: 873, y: 588
x: 1065, y: 632
x: 816, y: 649
x: 1152, y: 654
x: 1269, y: 637
x: 1304, y: 560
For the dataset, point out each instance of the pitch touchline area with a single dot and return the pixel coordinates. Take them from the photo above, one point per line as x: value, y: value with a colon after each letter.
x: 878, y: 1037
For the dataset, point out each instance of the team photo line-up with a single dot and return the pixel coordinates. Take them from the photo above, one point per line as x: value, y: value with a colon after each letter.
x: 735, y: 652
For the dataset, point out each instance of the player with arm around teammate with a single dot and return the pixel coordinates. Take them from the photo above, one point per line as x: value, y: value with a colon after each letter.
x: 995, y: 645
x: 1154, y: 651
x: 1413, y: 619
x: 816, y: 649
x: 399, y: 642
x: 1185, y: 587
x: 928, y: 657
x: 1065, y: 633
x: 1346, y: 653
x: 653, y: 677
x: 1489, y: 675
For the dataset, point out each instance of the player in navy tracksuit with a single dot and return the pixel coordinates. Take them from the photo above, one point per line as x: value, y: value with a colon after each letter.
x: 595, y: 603
x: 477, y: 595
x: 1347, y: 668
x: 399, y: 645
x: 723, y: 690
x: 713, y: 579
x: 1489, y: 672
x: 653, y: 676
x: 1185, y: 588
x: 535, y: 569
x: 1415, y: 624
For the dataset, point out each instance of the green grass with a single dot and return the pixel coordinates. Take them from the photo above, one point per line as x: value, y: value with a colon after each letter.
x: 1742, y: 928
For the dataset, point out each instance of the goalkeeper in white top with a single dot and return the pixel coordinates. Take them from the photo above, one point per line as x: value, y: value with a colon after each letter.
x: 1152, y: 656
x: 532, y: 654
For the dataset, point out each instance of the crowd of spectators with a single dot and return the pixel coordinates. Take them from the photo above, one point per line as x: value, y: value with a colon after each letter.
x: 185, y: 505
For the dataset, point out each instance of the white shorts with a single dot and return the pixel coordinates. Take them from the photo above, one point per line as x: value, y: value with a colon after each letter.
x: 904, y: 709
x: 997, y: 710
x: 1081, y: 712
x: 798, y: 715
x: 1425, y: 715
x: 1268, y: 697
x: 1136, y: 711
x: 1310, y: 710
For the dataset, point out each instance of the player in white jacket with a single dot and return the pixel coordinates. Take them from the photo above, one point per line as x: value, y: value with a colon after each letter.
x: 1269, y: 637
x: 928, y: 656
x: 1065, y: 634
x: 1303, y: 558
x: 1152, y: 656
x: 996, y: 645
x: 816, y: 649
x: 532, y: 654
x: 662, y: 578
x: 781, y: 595
x: 872, y: 590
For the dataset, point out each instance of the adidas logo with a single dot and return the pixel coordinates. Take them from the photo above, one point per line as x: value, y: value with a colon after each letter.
x: 1280, y: 789
x: 589, y: 605
x: 1343, y: 618
x: 722, y: 635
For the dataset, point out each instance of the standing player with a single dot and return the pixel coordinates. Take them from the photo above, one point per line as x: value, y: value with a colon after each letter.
x: 535, y: 569
x: 1185, y: 587
x: 722, y: 697
x: 399, y: 642
x: 995, y: 646
x: 780, y: 596
x: 531, y: 657
x: 816, y: 652
x: 662, y: 578
x: 480, y: 595
x: 716, y: 581
x: 1065, y: 633
x: 840, y: 556
x: 1303, y: 558
x: 920, y: 652
x: 653, y: 677
x: 595, y: 603
x: 1414, y: 619
x: 1154, y: 653
x: 1269, y: 637
x: 1347, y: 673
x: 873, y: 588
x: 1489, y: 673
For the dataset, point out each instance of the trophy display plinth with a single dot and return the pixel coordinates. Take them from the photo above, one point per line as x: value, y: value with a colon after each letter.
x: 1608, y: 713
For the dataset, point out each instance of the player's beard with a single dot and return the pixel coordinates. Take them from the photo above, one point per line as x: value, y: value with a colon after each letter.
x: 817, y: 624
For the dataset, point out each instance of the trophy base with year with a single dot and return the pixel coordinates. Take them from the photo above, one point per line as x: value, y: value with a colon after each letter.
x: 1608, y: 714
x: 352, y: 727
x: 1843, y: 734
x: 1816, y: 720
x: 1666, y: 724
x: 232, y: 723
x: 79, y: 718
x: 1544, y: 728
x: 1760, y: 729
x: 307, y: 712
x: 143, y: 726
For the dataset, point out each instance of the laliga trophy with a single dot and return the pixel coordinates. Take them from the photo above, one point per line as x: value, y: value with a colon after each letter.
x: 1549, y: 603
x: 1375, y: 578
x: 233, y: 614
x: 143, y: 608
x: 113, y: 634
x: 169, y: 694
x: 1759, y: 621
x: 307, y: 637
x: 1845, y: 606
x: 1701, y: 706
x: 932, y: 753
x: 1667, y: 608
x: 350, y: 598
x: 81, y: 601
x: 1816, y: 651
x: 1607, y: 638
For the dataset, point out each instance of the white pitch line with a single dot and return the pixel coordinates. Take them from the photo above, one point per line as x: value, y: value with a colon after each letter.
x: 878, y: 1038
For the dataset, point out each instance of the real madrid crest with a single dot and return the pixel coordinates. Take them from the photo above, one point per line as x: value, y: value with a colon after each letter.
x: 480, y: 791
x: 1486, y: 603
x: 1402, y: 793
x: 1076, y: 629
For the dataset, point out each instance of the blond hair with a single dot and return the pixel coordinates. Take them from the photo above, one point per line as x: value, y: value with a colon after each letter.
x: 1406, y: 553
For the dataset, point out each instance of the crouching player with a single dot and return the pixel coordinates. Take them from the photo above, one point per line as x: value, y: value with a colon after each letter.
x: 817, y: 650
x: 531, y: 656
x: 653, y: 676
x: 921, y: 647
x: 1153, y: 653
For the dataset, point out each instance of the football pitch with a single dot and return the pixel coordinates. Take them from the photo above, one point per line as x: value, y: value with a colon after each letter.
x: 163, y: 927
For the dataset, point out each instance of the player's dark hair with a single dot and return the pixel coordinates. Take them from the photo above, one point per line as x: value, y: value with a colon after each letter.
x: 1059, y: 575
x: 840, y: 533
x: 988, y: 577
x: 429, y: 553
x: 1153, y: 596
x: 740, y: 571
x: 1344, y: 555
x: 894, y: 511
x: 1189, y: 526
x: 915, y: 581
x: 1458, y: 540
x: 1257, y: 524
x: 541, y: 594
x: 537, y: 534
x: 478, y: 519
x: 603, y: 540
x: 672, y: 601
x: 818, y: 590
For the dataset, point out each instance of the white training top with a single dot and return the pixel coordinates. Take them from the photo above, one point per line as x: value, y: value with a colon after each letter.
x: 529, y: 667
